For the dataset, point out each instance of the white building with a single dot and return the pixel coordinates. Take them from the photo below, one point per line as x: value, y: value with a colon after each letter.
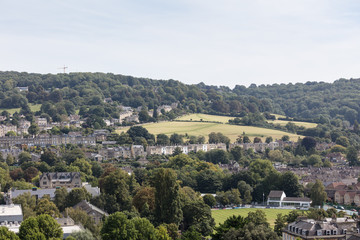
x: 279, y: 199
x: 10, y: 214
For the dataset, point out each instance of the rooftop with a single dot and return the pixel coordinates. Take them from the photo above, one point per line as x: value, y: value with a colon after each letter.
x: 10, y: 210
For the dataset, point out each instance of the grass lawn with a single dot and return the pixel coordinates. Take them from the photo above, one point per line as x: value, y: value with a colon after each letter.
x: 304, y: 124
x: 205, y: 117
x: 203, y: 129
x: 33, y: 107
x: 221, y: 215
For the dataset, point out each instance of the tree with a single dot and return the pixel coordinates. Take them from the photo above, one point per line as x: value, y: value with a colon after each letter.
x: 49, y: 157
x: 34, y: 129
x: 246, y: 139
x: 82, y: 235
x: 118, y: 227
x: 247, y: 197
x: 198, y: 215
x: 115, y: 186
x: 167, y: 197
x: 318, y: 194
x: 257, y: 140
x: 145, y: 195
x: 309, y: 143
x: 10, y: 159
x: 24, y: 157
x: 209, y: 200
x: 176, y: 139
x: 285, y: 138
x: 352, y: 156
x: 236, y: 152
x: 5, y: 233
x: 280, y: 223
x: 343, y: 141
x: 269, y: 139
x: 40, y: 228
x: 76, y: 195
x: 161, y: 233
x: 81, y: 217
x: 27, y: 202
x: 191, y: 234
x: 162, y: 139
x: 60, y: 198
x: 145, y: 230
x: 44, y: 206
x: 315, y: 160
x: 290, y: 184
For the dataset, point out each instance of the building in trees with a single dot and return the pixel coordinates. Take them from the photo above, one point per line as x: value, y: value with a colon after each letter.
x: 94, y: 212
x: 10, y: 214
x: 279, y: 199
x: 60, y: 179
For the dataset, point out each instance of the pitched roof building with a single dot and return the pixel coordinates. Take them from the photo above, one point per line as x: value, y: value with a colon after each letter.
x: 279, y: 199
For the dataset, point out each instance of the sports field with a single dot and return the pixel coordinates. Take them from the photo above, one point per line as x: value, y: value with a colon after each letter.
x: 203, y: 129
x: 221, y: 215
x: 33, y: 107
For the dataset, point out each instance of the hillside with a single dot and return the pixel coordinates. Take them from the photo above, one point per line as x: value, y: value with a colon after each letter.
x: 313, y: 101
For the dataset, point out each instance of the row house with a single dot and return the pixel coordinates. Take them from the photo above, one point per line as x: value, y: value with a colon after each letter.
x: 4, y: 129
x: 124, y: 152
x: 168, y: 150
x: 328, y: 228
x: 344, y: 194
x: 257, y: 147
x: 124, y: 115
x: 44, y: 141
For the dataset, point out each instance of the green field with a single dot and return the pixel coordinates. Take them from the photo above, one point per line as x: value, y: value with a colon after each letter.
x: 203, y: 129
x: 221, y: 215
x: 205, y: 117
x: 303, y: 124
x: 33, y: 107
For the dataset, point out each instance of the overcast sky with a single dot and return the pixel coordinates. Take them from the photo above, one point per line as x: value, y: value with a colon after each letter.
x: 215, y: 42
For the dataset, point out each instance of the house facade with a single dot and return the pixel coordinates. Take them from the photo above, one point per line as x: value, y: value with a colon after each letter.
x: 329, y: 229
x: 60, y: 179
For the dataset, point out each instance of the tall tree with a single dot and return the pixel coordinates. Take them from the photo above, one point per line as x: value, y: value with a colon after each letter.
x: 318, y: 194
x: 118, y: 227
x: 167, y: 197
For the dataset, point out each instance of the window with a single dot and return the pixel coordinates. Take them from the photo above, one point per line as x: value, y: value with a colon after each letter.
x: 44, y: 182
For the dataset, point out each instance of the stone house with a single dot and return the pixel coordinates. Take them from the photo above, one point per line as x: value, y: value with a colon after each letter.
x: 94, y: 212
x: 60, y: 179
x: 329, y: 229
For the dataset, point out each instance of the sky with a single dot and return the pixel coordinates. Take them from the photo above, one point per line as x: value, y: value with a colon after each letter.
x: 229, y: 42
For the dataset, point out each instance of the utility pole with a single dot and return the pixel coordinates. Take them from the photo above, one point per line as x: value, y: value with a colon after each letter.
x: 263, y: 199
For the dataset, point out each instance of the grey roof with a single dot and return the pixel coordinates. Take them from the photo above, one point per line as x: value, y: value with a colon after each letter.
x: 275, y: 194
x: 87, y: 207
x: 295, y: 199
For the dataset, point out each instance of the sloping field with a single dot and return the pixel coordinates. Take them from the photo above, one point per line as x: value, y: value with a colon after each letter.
x: 34, y: 108
x: 205, y: 117
x: 303, y: 124
x: 223, y: 119
x: 221, y: 215
x: 203, y: 129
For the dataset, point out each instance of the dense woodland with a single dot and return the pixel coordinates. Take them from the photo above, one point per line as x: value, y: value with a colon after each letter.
x: 312, y: 101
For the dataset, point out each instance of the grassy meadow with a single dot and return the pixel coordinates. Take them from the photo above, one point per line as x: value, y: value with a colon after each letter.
x: 221, y: 215
x: 205, y: 117
x: 303, y: 124
x: 33, y: 107
x: 204, y: 129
